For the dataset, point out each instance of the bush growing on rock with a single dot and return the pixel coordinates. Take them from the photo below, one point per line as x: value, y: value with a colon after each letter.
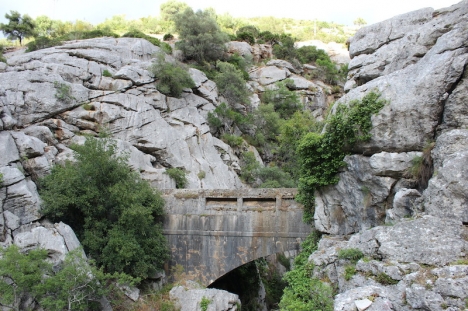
x: 321, y: 155
x: 113, y: 211
x: 139, y: 34
x: 231, y: 84
x: 178, y: 175
x: 201, y: 38
x: 172, y: 77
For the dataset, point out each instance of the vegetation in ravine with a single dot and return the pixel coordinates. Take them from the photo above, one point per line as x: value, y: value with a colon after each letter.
x: 114, y: 213
x: 304, y: 292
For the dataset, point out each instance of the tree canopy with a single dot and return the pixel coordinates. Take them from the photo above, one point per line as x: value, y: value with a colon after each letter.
x: 113, y: 211
x: 201, y: 38
x: 18, y: 27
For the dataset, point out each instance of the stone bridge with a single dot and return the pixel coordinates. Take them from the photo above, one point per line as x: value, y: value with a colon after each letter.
x: 212, y: 232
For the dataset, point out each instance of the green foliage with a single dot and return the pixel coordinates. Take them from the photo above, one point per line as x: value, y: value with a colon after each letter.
x: 249, y: 29
x: 291, y: 132
x: 25, y: 271
x: 245, y: 36
x: 168, y: 37
x: 223, y: 115
x: 1, y: 179
x: 385, y: 279
x: 201, y: 38
x: 268, y: 37
x: 309, y: 54
x: 284, y: 261
x: 232, y: 140
x: 63, y: 92
x: 40, y: 43
x: 321, y: 155
x: 249, y: 167
x: 352, y: 254
x: 272, y: 282
x: 18, y: 27
x: 74, y: 285
x: 350, y: 271
x: 204, y: 303
x: 241, y: 63
x: 201, y: 175
x: 138, y: 34
x: 231, y: 84
x: 286, y: 102
x: 172, y: 77
x: 274, y: 177
x: 106, y: 73
x: 304, y: 292
x: 113, y: 211
x: 178, y: 175
x: 285, y: 49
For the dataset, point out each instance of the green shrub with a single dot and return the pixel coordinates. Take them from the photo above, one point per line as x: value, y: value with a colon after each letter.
x: 178, y: 175
x: 232, y: 140
x: 285, y: 49
x: 1, y: 179
x: 231, y: 84
x: 201, y: 175
x: 321, y: 155
x: 111, y: 209
x: 106, y: 73
x: 168, y: 37
x: 247, y: 37
x: 63, y: 92
x: 352, y: 254
x: 284, y: 261
x: 249, y: 29
x: 200, y: 36
x: 309, y: 54
x: 385, y: 279
x: 204, y: 303
x: 350, y: 271
x: 274, y: 177
x: 42, y: 43
x: 166, y: 48
x: 80, y: 35
x: 268, y: 37
x: 286, y: 102
x: 89, y: 107
x: 249, y: 166
x: 241, y: 63
x: 139, y: 34
x: 304, y: 292
x: 172, y: 77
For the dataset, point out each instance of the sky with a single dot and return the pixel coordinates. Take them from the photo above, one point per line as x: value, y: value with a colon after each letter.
x: 339, y: 11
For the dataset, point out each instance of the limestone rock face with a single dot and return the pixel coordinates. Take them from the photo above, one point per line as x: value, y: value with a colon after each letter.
x: 189, y: 298
x: 411, y: 175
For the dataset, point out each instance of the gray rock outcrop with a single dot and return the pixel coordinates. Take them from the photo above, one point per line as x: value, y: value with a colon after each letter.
x: 189, y: 298
x: 417, y: 261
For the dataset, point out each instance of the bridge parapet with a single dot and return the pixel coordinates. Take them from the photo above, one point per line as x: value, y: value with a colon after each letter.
x: 213, y: 231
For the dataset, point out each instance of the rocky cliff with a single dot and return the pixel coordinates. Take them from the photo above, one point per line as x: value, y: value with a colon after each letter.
x: 51, y: 98
x: 402, y: 200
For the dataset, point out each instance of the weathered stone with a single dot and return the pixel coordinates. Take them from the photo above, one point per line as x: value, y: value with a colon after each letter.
x: 69, y: 237
x: 23, y: 201
x: 447, y: 192
x: 197, y: 76
x: 9, y: 152
x: 403, y: 205
x: 189, y: 300
x: 357, y: 202
x: 252, y: 223
x: 282, y: 64
x: 242, y: 48
x: 363, y: 304
x: 270, y: 74
x: 428, y: 240
x: 41, y: 237
x: 10, y: 175
x: 394, y: 165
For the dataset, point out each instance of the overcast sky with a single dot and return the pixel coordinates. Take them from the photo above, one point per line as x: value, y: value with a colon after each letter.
x: 339, y: 11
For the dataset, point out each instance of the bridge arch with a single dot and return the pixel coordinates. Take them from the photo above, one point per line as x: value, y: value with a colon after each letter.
x: 211, y: 232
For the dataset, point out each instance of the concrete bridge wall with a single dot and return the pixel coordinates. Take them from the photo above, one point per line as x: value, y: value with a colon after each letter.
x: 212, y: 232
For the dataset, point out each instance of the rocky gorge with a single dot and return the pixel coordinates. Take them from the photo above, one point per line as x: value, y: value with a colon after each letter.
x: 409, y: 223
